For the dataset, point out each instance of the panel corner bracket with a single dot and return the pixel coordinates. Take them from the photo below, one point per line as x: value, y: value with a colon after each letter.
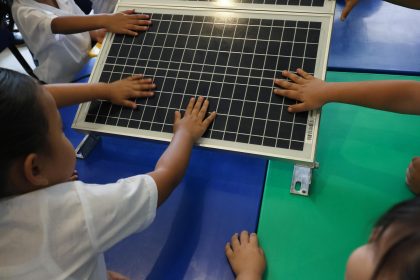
x: 301, y: 181
x: 87, y: 145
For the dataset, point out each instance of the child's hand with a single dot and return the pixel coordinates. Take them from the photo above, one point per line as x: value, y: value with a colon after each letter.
x: 127, y: 22
x: 194, y: 122
x: 347, y: 8
x: 413, y: 176
x: 120, y: 92
x: 305, y: 88
x: 98, y: 35
x: 245, y: 256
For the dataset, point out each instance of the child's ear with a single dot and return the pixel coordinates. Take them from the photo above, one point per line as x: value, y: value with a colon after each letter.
x: 33, y: 171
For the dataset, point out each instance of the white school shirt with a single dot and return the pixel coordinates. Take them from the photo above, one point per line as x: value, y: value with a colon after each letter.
x: 60, y: 56
x: 61, y: 232
x: 103, y: 6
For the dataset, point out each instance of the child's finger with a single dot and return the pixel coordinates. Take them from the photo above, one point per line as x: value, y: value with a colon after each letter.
x: 138, y: 77
x: 285, y: 84
x: 198, y: 105
x: 203, y: 110
x: 129, y: 104
x: 142, y: 22
x: 288, y: 93
x: 129, y: 12
x: 142, y: 94
x: 253, y: 239
x: 145, y: 87
x: 138, y: 27
x: 228, y: 251
x: 304, y: 74
x: 129, y: 32
x: 295, y: 78
x: 141, y: 16
x: 177, y: 116
x: 190, y: 106
x: 244, y: 237
x: 209, y: 119
x: 235, y: 242
x: 145, y: 81
x: 301, y: 107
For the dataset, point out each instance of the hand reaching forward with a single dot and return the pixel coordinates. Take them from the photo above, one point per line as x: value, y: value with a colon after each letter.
x: 245, y: 256
x: 305, y: 88
x: 194, y: 123
x: 127, y: 22
x: 120, y: 92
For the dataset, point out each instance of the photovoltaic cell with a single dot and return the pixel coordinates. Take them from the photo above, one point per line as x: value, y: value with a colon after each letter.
x: 305, y: 3
x: 232, y: 61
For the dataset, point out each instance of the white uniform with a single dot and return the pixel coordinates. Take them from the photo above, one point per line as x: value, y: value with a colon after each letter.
x: 103, y: 6
x: 60, y: 57
x: 61, y: 232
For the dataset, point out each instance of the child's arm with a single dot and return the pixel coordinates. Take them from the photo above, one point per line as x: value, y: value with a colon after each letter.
x: 172, y: 164
x: 118, y: 92
x: 122, y: 23
x: 395, y: 96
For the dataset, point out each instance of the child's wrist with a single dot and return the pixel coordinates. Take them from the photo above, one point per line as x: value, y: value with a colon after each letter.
x: 104, y: 91
x: 103, y: 20
x: 185, y: 134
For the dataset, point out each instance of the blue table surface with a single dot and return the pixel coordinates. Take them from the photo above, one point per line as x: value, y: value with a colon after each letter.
x: 220, y: 195
x: 377, y: 37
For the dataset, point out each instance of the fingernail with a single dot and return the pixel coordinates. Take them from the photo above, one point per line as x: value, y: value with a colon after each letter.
x: 253, y: 234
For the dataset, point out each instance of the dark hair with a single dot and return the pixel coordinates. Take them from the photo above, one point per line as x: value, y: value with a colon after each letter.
x: 23, y: 124
x: 402, y: 259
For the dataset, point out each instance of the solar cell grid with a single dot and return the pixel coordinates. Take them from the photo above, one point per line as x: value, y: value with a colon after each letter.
x: 309, y: 3
x: 231, y: 61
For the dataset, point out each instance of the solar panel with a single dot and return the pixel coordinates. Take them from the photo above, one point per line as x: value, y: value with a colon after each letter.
x: 309, y: 3
x: 231, y: 59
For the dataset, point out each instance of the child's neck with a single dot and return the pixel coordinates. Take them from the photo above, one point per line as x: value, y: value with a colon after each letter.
x: 52, y: 3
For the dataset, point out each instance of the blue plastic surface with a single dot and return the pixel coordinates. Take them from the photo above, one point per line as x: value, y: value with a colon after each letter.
x: 220, y: 195
x: 377, y: 37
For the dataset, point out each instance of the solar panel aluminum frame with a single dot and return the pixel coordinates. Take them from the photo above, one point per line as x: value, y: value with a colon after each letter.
x: 328, y: 8
x: 307, y: 156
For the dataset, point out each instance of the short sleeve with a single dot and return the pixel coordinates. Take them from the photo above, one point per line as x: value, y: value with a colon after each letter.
x: 34, y: 20
x: 114, y: 211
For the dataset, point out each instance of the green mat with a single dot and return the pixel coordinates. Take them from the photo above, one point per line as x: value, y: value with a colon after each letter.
x: 363, y: 155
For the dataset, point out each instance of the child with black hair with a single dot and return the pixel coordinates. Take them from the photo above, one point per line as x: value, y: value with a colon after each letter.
x: 51, y: 228
x: 59, y: 34
x: 395, y: 96
x: 393, y: 250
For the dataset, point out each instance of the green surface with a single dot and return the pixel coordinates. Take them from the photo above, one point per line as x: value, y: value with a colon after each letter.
x: 363, y: 155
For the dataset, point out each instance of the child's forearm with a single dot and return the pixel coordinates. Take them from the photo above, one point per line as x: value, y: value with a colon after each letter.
x: 396, y: 96
x: 70, y: 94
x: 172, y: 164
x: 77, y: 24
x: 412, y: 4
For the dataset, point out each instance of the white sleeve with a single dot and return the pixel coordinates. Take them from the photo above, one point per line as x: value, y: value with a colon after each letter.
x: 103, y: 6
x: 114, y: 211
x: 34, y: 20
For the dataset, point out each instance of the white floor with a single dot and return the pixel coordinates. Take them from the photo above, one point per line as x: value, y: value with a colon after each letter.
x: 8, y: 60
